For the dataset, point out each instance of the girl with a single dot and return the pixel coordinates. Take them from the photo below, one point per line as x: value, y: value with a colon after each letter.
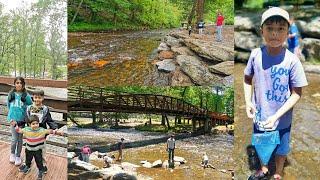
x: 18, y: 100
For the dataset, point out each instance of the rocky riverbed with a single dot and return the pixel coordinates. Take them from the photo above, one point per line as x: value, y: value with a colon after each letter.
x: 218, y: 147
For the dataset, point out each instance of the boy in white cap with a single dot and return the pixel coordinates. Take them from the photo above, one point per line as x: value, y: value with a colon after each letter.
x: 278, y: 80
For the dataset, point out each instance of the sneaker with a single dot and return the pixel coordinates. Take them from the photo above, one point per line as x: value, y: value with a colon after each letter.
x: 22, y: 167
x: 12, y: 158
x: 45, y: 169
x: 40, y: 175
x: 26, y: 170
x: 17, y: 162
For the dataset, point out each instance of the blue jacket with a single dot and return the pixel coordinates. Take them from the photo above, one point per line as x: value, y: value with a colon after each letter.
x: 17, y: 108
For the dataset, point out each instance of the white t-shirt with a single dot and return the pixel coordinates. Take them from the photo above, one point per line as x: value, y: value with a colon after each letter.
x: 171, y: 143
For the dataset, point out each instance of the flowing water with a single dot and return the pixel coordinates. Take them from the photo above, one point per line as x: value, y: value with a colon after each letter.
x: 114, y: 58
x: 305, y: 134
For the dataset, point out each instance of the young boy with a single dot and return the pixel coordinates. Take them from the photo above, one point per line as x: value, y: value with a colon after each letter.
x: 120, y: 147
x: 205, y: 160
x: 278, y: 80
x: 43, y: 112
x: 35, y: 137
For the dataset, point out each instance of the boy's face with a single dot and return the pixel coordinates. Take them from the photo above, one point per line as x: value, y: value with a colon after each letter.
x: 34, y: 125
x: 18, y: 85
x: 275, y: 33
x: 37, y: 99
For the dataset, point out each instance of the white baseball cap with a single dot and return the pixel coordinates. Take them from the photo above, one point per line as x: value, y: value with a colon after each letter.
x: 274, y: 11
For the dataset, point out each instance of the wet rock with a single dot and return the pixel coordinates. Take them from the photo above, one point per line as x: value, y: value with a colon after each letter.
x: 246, y: 40
x: 211, y: 52
x: 312, y: 68
x: 172, y: 41
x: 180, y: 79
x: 123, y: 176
x: 167, y: 65
x: 115, y: 171
x: 147, y: 165
x: 311, y: 29
x: 166, y: 55
x: 196, y: 70
x: 81, y: 165
x: 182, y: 51
x: 157, y: 163
x: 179, y: 159
x: 312, y: 48
x: 163, y: 47
x: 143, y: 162
x: 224, y: 68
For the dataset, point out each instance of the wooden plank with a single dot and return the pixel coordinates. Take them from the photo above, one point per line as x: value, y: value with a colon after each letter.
x: 57, y: 166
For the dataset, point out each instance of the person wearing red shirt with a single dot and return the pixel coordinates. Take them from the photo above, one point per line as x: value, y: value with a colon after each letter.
x: 219, y: 23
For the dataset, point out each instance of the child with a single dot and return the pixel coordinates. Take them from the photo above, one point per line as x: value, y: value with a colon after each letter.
x: 108, y: 160
x: 278, y: 80
x: 35, y: 137
x: 171, y: 145
x: 120, y: 146
x: 85, y: 153
x: 293, y: 38
x: 201, y: 27
x: 43, y: 112
x: 17, y: 102
x: 219, y: 23
x: 205, y: 160
x: 190, y: 29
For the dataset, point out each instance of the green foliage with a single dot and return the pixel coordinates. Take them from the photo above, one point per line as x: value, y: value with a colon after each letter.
x: 84, y: 15
x: 31, y: 43
x: 253, y: 4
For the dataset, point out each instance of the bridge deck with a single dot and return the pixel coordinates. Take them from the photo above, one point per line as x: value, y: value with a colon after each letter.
x: 57, y: 166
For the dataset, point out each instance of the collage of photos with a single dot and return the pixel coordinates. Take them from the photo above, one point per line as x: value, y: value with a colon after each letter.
x: 159, y: 89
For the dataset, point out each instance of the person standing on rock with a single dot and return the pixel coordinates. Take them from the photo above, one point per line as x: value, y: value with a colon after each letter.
x: 219, y: 23
x: 293, y: 38
x: 85, y: 153
x: 171, y: 143
x: 278, y: 80
x: 120, y: 148
x: 205, y: 160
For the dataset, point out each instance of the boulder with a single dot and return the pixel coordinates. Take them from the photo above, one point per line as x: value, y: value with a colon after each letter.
x: 311, y: 48
x: 196, y: 70
x: 246, y: 23
x: 123, y: 176
x: 117, y: 171
x: 310, y: 29
x: 163, y: 47
x: 147, y: 165
x: 166, y: 55
x: 224, y: 68
x: 246, y: 40
x: 241, y: 56
x: 181, y: 160
x: 213, y: 52
x: 157, y: 163
x: 71, y: 155
x: 143, y: 162
x: 94, y: 156
x: 180, y: 79
x: 167, y: 65
x: 312, y: 68
x: 127, y: 165
x: 81, y: 165
x: 182, y: 51
x: 172, y: 41
x: 165, y: 164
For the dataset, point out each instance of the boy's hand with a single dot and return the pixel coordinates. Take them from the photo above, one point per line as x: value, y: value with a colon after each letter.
x: 269, y: 123
x: 250, y: 110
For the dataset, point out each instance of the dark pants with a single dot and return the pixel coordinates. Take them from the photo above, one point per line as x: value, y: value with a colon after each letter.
x: 171, y: 155
x: 37, y: 157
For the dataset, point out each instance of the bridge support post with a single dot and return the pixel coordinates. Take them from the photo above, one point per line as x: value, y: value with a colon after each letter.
x: 193, y: 125
x: 206, y: 125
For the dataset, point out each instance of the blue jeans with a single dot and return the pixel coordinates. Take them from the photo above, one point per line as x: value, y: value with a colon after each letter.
x: 85, y: 157
x: 219, y: 33
x: 16, y: 142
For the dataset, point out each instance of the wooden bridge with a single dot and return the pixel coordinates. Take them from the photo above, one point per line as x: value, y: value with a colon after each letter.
x: 91, y: 99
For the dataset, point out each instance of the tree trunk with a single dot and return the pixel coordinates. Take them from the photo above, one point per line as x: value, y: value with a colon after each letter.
x: 94, y: 117
x: 163, y: 121
x: 167, y: 121
x: 76, y: 13
x: 190, y: 17
x: 200, y: 10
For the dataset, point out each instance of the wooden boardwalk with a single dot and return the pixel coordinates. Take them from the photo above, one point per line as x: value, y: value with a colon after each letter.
x: 57, y: 166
